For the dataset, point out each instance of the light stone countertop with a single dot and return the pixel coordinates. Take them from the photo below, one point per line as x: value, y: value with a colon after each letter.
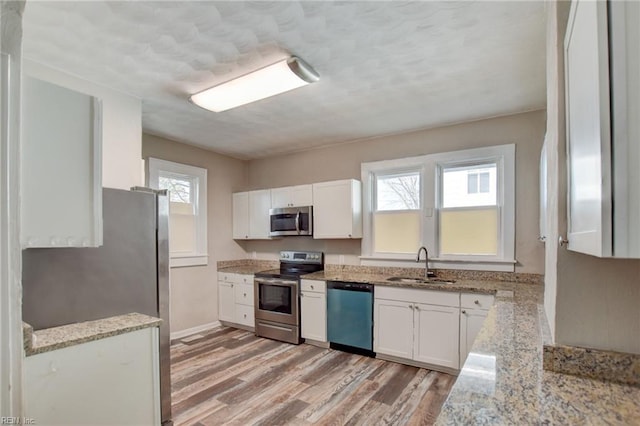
x: 503, y: 381
x: 243, y: 269
x: 50, y: 339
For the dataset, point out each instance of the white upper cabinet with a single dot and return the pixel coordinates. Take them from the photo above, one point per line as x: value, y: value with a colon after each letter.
x: 240, y: 215
x: 337, y: 209
x: 602, y: 75
x: 292, y: 196
x: 251, y: 215
x: 61, y: 166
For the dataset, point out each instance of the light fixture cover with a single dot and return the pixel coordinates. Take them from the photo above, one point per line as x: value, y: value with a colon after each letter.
x: 271, y: 80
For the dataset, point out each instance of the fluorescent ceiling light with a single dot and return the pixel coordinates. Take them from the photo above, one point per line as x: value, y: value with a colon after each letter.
x: 271, y: 80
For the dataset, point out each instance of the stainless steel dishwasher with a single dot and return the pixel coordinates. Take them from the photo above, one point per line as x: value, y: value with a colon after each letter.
x: 350, y: 316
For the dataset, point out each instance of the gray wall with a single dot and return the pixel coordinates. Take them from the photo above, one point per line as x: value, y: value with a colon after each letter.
x: 194, y: 289
x: 343, y: 161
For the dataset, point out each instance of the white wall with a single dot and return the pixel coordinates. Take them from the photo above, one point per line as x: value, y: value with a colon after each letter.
x: 121, y: 126
x: 11, y: 353
x: 589, y: 302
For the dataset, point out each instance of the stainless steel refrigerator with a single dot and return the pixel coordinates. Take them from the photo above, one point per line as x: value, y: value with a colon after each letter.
x: 128, y: 273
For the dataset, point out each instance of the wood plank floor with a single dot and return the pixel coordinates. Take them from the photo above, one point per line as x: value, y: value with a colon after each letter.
x: 229, y: 376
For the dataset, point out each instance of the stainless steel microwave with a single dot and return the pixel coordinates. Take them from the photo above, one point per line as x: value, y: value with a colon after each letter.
x: 291, y: 221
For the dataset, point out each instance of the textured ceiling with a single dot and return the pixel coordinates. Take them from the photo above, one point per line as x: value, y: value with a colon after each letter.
x: 385, y: 67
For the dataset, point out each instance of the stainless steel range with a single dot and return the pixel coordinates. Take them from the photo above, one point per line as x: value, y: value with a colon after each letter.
x: 277, y: 295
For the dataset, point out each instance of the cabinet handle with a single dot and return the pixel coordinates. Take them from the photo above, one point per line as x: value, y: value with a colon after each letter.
x: 311, y: 287
x: 464, y: 312
x: 245, y: 294
x: 301, y: 294
x: 563, y: 242
x: 231, y: 285
x: 477, y: 302
x: 349, y: 235
x: 411, y: 307
x: 245, y: 315
x: 417, y: 307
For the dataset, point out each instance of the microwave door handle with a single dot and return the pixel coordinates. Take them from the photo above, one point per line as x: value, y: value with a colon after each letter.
x: 298, y: 222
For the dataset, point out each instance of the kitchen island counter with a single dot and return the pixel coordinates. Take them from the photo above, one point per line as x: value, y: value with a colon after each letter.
x: 503, y: 380
x: 49, y: 339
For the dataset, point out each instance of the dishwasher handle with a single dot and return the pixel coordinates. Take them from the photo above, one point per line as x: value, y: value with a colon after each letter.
x: 349, y: 286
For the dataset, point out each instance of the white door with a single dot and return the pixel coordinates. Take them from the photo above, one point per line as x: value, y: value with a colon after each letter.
x: 471, y: 321
x: 259, y: 221
x: 281, y: 197
x: 332, y: 213
x: 314, y: 316
x: 436, y: 335
x: 393, y: 328
x: 240, y: 215
x: 226, y: 301
x: 588, y: 129
x: 302, y: 195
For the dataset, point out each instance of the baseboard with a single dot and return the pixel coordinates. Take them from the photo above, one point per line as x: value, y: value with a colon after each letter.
x: 193, y: 330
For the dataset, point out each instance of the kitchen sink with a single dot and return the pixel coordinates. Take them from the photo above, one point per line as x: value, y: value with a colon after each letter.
x: 419, y: 280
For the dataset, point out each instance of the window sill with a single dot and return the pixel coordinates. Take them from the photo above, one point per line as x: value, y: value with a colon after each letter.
x: 439, y: 263
x: 184, y: 261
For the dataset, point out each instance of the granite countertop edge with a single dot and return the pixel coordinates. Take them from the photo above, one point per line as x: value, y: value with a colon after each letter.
x: 49, y: 339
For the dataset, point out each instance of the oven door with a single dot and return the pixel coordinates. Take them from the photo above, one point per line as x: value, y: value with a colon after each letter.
x: 276, y: 300
x: 291, y: 221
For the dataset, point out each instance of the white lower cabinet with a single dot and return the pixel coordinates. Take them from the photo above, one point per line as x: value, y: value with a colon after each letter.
x: 435, y: 339
x: 235, y: 299
x: 393, y: 328
x: 313, y: 308
x: 226, y: 301
x: 473, y: 313
x: 417, y: 325
x: 111, y: 381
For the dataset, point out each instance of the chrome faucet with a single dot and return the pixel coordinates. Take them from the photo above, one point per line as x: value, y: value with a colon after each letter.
x: 426, y: 261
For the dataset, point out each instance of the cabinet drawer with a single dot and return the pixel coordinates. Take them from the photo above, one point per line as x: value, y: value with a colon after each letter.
x: 230, y: 277
x: 430, y: 297
x: 244, y: 279
x: 476, y: 301
x: 245, y: 315
x: 244, y: 294
x: 313, y: 286
x: 227, y: 277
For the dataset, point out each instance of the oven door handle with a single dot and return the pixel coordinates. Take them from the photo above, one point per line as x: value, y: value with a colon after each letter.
x: 298, y: 222
x: 275, y: 282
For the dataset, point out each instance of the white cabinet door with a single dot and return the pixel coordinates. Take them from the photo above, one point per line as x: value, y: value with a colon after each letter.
x: 281, y: 197
x: 112, y: 381
x: 602, y: 84
x: 226, y: 301
x: 61, y: 166
x: 436, y: 335
x: 244, y: 315
x: 393, y: 328
x: 241, y: 216
x: 259, y: 221
x: 471, y: 321
x: 588, y: 129
x: 292, y: 196
x: 337, y: 209
x: 314, y: 316
x: 301, y: 195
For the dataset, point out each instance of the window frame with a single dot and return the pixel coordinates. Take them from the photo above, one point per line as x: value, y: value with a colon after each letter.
x: 430, y: 166
x: 157, y: 167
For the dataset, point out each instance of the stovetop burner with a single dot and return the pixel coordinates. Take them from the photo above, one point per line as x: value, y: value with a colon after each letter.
x: 295, y: 263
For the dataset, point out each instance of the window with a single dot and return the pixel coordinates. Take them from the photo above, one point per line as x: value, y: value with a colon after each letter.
x: 396, y: 218
x: 187, y: 191
x: 460, y: 205
x: 468, y: 222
